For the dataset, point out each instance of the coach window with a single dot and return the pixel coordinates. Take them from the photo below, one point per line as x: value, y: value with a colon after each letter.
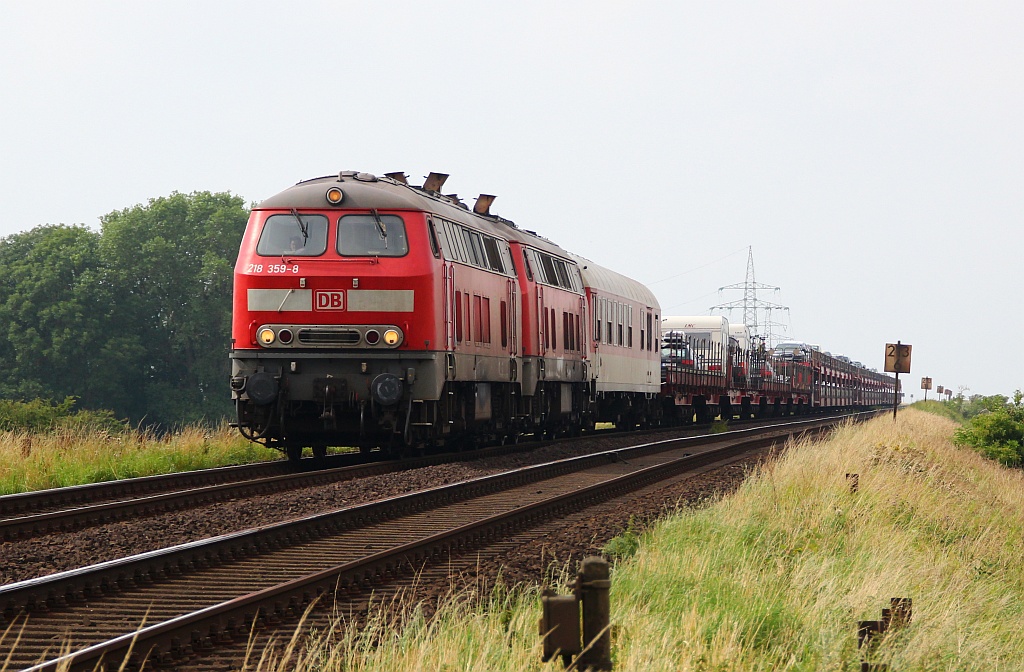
x: 372, y: 235
x: 293, y: 235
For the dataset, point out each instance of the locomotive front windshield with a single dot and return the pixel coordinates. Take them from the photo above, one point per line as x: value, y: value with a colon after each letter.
x: 293, y: 235
x: 372, y: 235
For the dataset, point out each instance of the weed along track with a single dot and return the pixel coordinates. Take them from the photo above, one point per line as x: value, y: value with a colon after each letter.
x: 182, y: 605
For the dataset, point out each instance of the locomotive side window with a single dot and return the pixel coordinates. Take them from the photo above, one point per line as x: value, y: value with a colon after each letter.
x: 467, y: 246
x: 293, y: 235
x: 529, y: 267
x: 562, y: 273
x: 372, y: 235
x: 553, y: 271
x: 548, y: 264
x: 577, y: 278
x: 474, y: 247
x: 493, y: 255
x: 435, y: 248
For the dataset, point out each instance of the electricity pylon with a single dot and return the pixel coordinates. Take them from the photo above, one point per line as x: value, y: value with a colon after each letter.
x: 750, y: 305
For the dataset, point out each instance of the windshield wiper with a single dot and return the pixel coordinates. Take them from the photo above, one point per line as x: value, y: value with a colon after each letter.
x: 380, y: 226
x: 303, y: 226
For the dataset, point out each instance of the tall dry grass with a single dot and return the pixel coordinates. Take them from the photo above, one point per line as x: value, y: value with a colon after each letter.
x: 63, y: 457
x: 776, y: 576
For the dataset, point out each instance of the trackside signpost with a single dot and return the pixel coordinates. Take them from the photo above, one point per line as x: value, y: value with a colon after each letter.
x: 897, y: 360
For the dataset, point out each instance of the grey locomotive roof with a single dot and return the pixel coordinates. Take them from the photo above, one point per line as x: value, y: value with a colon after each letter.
x: 365, y: 191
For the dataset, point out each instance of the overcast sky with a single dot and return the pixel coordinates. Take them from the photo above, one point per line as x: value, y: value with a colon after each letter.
x: 871, y: 153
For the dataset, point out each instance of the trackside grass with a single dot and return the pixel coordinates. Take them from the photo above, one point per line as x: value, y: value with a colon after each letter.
x: 776, y: 576
x: 62, y: 457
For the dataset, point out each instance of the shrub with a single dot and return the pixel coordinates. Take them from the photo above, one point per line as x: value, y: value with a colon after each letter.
x: 43, y: 415
x: 998, y: 433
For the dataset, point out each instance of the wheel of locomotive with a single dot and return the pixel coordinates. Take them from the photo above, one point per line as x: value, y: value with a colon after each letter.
x: 320, y: 455
x: 294, y: 454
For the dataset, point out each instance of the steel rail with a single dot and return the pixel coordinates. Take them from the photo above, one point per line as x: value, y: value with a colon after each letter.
x: 227, y: 620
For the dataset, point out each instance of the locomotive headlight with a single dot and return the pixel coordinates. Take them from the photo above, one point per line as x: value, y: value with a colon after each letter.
x: 334, y: 195
x: 391, y: 337
x: 266, y: 336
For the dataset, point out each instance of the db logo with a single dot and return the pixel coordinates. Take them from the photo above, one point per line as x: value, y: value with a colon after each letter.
x: 326, y: 300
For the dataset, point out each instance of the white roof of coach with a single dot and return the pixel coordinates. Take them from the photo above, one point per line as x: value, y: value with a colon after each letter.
x: 604, y: 280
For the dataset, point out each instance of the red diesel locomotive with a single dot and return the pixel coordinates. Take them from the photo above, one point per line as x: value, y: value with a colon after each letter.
x: 372, y: 313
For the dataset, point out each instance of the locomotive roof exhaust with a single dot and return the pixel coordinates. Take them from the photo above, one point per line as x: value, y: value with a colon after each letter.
x: 397, y: 177
x: 483, y: 204
x: 435, y: 181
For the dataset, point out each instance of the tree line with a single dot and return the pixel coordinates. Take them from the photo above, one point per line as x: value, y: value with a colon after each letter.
x: 134, y: 318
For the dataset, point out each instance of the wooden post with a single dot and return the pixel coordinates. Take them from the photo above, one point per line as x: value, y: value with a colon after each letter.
x: 896, y: 397
x: 597, y: 641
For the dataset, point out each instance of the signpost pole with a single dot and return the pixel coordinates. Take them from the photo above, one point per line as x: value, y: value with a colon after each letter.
x: 896, y: 394
x: 896, y: 397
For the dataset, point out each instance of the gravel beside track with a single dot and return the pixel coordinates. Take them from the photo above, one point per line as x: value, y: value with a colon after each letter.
x: 527, y: 558
x: 30, y: 558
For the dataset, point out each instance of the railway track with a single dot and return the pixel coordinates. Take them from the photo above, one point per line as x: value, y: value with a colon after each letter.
x: 176, y: 605
x: 31, y: 514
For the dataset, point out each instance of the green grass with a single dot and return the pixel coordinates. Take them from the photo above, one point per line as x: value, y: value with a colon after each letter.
x: 776, y: 576
x: 945, y: 409
x: 34, y: 461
